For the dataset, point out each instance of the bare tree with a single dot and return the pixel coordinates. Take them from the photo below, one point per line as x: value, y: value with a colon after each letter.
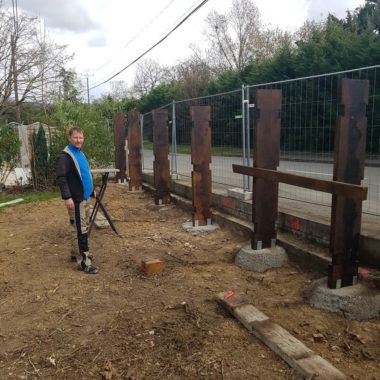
x: 192, y: 75
x: 148, y: 75
x: 234, y: 37
x: 239, y: 37
x: 30, y: 64
x: 120, y: 90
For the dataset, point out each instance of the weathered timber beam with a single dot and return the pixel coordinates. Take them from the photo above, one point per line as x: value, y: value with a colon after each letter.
x: 332, y: 187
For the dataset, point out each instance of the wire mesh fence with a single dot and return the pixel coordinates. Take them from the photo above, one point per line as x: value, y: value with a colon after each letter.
x: 308, y: 121
x: 226, y: 135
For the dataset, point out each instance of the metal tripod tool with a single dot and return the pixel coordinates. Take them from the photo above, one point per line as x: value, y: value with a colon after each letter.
x: 99, y: 197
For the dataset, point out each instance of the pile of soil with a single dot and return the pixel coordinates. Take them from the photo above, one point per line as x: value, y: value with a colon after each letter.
x: 57, y: 322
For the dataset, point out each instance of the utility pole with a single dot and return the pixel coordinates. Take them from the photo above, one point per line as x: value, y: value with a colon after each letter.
x: 14, y: 36
x: 88, y: 91
x: 14, y: 74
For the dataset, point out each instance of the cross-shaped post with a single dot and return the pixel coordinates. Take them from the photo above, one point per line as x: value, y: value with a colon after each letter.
x: 348, y: 167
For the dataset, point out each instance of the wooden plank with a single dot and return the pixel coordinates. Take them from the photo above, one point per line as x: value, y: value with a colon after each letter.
x: 161, y: 165
x: 104, y: 170
x: 320, y: 367
x: 119, y: 133
x: 349, y: 158
x: 304, y: 361
x: 201, y: 194
x: 18, y: 200
x: 332, y: 187
x: 266, y: 155
x: 266, y: 148
x: 201, y: 159
x: 280, y: 341
x: 134, y: 154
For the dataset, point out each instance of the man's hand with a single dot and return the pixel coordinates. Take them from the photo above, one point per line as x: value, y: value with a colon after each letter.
x: 69, y: 203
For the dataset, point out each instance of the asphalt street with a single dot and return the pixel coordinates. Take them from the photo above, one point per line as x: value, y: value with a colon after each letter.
x: 223, y: 176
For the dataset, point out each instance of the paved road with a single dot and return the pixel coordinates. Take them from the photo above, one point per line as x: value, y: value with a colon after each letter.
x: 222, y: 175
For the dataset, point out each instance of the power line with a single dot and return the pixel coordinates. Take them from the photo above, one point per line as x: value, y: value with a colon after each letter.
x: 192, y: 7
x: 137, y: 34
x: 152, y: 47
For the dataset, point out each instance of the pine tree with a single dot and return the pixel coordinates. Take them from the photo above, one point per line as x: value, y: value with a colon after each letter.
x: 39, y: 158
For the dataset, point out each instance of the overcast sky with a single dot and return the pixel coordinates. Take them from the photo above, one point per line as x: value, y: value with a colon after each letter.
x: 106, y: 35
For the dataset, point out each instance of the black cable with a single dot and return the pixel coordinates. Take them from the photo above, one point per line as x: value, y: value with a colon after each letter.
x: 152, y: 47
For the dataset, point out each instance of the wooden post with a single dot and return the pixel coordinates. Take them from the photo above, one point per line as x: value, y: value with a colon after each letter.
x: 119, y: 135
x: 347, y: 194
x: 201, y: 159
x: 161, y: 153
x: 266, y: 155
x: 134, y: 155
x: 350, y: 142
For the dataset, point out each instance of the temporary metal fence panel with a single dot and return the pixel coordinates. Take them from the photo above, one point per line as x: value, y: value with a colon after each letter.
x: 146, y: 125
x: 308, y: 120
x: 309, y: 113
x: 227, y: 129
x: 226, y: 136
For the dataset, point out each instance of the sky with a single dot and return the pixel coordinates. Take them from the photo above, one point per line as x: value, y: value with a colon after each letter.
x: 107, y: 35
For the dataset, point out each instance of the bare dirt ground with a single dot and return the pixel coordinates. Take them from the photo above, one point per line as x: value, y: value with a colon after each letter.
x: 58, y: 323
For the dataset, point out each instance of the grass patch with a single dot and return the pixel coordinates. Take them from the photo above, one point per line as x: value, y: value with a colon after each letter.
x: 28, y: 197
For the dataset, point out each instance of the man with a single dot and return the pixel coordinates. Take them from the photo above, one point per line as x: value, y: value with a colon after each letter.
x: 75, y: 182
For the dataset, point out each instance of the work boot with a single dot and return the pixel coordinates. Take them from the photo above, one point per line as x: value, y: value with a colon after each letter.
x: 89, y: 269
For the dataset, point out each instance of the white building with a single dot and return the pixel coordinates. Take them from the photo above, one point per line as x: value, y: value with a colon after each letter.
x: 22, y: 174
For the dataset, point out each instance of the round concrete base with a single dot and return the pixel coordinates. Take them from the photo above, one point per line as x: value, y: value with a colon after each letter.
x: 260, y: 260
x: 188, y: 227
x: 357, y: 301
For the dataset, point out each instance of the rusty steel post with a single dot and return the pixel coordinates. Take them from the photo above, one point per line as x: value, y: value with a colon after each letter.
x: 134, y: 148
x: 349, y: 156
x: 201, y: 159
x: 266, y: 155
x: 161, y: 153
x: 119, y: 135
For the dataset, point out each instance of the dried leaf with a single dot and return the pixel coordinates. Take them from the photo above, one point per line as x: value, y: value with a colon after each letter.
x: 51, y: 360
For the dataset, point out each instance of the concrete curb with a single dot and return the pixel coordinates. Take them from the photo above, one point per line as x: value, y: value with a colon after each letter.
x: 290, y: 222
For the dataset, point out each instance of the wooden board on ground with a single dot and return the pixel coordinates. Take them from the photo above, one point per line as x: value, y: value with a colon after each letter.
x: 304, y: 361
x: 100, y: 221
x: 11, y: 202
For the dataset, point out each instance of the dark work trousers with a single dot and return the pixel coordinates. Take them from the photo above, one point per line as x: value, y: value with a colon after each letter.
x: 79, y: 221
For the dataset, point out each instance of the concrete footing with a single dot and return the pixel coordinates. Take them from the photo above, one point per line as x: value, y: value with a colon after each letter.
x: 239, y: 193
x: 122, y: 181
x: 260, y: 260
x: 188, y: 227
x: 356, y: 302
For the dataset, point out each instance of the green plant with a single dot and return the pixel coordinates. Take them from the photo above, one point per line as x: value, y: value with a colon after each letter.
x: 98, y: 145
x: 9, y: 152
x: 28, y: 198
x: 39, y: 158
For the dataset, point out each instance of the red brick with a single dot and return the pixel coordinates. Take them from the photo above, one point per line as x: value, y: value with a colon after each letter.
x: 150, y: 266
